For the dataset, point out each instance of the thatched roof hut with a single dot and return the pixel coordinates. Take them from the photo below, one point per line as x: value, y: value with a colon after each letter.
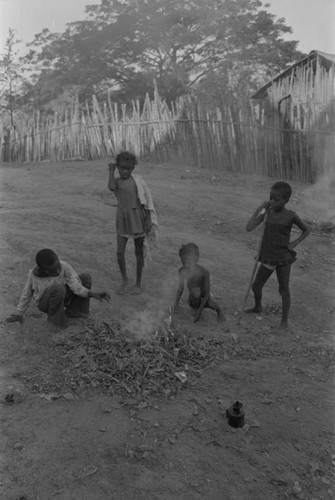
x: 301, y: 92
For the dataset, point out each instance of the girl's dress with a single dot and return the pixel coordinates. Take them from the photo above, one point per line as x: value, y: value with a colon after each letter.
x: 274, y: 250
x: 131, y: 216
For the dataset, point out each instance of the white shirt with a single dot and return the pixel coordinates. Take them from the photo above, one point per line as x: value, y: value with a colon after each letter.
x: 36, y: 286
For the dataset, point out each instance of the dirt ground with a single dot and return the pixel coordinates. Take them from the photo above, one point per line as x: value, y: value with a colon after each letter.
x: 66, y: 443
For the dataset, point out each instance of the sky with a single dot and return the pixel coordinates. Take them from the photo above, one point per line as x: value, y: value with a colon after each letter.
x: 312, y: 21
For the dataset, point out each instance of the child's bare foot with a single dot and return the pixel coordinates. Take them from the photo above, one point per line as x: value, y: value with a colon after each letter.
x: 282, y: 328
x: 137, y: 290
x: 122, y: 289
x: 53, y: 328
x: 255, y: 309
x: 221, y: 316
x: 196, y: 316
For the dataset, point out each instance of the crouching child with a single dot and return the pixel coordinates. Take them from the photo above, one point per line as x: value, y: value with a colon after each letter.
x: 197, y: 280
x: 58, y: 290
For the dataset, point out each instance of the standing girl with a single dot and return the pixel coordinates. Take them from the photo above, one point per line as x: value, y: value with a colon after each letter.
x: 135, y: 217
x: 276, y: 251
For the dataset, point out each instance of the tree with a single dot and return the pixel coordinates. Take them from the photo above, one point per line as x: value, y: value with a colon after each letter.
x: 187, y: 46
x: 11, y: 80
x: 93, y: 55
x: 251, y: 50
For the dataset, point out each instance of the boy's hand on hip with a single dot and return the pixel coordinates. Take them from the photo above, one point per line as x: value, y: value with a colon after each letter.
x: 14, y: 318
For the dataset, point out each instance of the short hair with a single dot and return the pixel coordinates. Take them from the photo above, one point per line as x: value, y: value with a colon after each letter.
x: 284, y: 188
x: 46, y: 258
x: 126, y: 156
x: 189, y: 249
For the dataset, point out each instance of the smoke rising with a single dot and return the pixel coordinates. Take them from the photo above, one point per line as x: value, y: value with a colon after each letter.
x: 143, y: 324
x: 318, y: 200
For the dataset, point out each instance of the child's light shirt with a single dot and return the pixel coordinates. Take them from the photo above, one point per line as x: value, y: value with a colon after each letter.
x: 145, y: 197
x: 36, y: 286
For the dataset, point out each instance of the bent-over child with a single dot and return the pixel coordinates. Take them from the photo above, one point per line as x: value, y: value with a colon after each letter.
x: 276, y: 252
x: 136, y: 216
x: 197, y: 279
x: 58, y: 290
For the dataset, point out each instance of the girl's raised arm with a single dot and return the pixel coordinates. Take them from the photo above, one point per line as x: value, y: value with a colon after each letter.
x: 112, y: 185
x: 258, y: 216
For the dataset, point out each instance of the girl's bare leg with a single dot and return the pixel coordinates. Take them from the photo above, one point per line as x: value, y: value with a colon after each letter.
x: 139, y: 263
x: 263, y: 274
x: 283, y: 276
x: 121, y: 260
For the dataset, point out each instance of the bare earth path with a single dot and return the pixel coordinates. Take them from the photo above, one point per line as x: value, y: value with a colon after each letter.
x: 61, y: 442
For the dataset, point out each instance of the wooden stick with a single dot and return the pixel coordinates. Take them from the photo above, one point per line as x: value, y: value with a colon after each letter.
x: 254, y: 269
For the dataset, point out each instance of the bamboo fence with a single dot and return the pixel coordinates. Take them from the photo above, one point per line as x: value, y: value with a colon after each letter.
x: 240, y: 137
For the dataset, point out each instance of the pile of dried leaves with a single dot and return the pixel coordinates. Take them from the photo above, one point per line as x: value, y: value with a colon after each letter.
x: 108, y: 358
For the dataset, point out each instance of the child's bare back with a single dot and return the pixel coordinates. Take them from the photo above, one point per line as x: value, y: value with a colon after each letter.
x: 198, y: 277
x: 197, y: 280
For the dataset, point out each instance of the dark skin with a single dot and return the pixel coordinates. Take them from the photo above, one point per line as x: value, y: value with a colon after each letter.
x: 125, y: 169
x: 197, y: 279
x: 54, y: 270
x: 276, y: 205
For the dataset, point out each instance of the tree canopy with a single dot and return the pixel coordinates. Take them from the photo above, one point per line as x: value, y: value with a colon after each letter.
x: 11, y: 80
x: 213, y: 47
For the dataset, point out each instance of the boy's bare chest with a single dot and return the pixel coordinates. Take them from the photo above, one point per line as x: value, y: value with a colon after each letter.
x: 194, y: 277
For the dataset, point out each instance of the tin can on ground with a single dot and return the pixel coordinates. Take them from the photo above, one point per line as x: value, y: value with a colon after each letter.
x: 235, y: 414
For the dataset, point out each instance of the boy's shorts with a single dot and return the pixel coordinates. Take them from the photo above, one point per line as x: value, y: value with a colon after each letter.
x: 268, y: 266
